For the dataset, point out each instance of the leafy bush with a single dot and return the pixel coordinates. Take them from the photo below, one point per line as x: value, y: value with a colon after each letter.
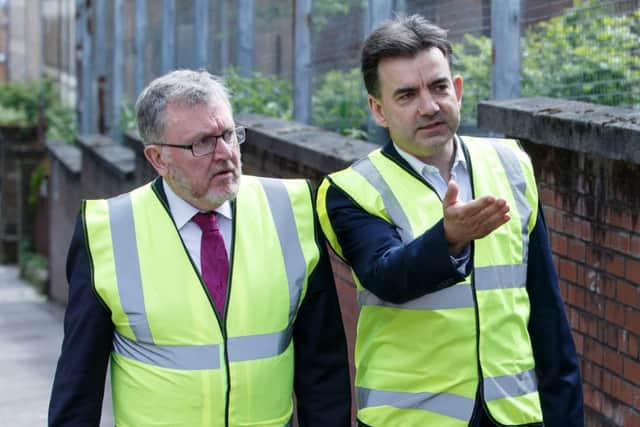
x: 260, y: 94
x: 340, y: 103
x: 586, y: 54
x: 26, y: 104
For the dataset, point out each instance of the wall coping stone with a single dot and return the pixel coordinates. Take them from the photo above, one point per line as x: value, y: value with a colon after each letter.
x: 117, y: 158
x: 317, y: 148
x: 68, y: 155
x: 610, y: 132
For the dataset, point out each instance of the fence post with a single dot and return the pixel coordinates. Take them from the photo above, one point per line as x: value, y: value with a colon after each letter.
x: 302, y: 61
x: 201, y: 32
x: 245, y: 17
x: 86, y: 93
x: 223, y: 37
x: 140, y: 43
x: 377, y: 12
x: 118, y: 67
x: 505, y: 39
x: 168, y: 35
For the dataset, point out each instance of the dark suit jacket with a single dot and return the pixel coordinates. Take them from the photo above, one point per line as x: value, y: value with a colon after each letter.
x: 321, y: 378
x: 390, y: 269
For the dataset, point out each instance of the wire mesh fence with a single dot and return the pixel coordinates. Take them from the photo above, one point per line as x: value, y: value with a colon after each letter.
x: 583, y: 50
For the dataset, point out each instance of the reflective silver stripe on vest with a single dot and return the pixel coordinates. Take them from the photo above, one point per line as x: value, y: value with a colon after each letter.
x: 456, y: 296
x: 518, y: 184
x: 447, y: 404
x: 127, y: 266
x: 295, y: 264
x: 183, y: 357
x: 500, y: 277
x: 258, y: 346
x: 510, y: 385
x: 366, y: 168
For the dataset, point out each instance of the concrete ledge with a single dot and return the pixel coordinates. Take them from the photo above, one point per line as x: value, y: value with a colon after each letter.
x: 610, y: 132
x: 310, y: 146
x: 115, y: 157
x: 68, y: 155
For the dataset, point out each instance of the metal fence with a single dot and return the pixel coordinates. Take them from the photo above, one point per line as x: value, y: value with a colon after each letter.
x: 306, y: 68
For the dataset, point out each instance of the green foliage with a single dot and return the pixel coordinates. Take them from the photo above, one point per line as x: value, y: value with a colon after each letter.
x: 33, y: 266
x: 340, y: 103
x: 586, y: 54
x: 128, y: 121
x: 32, y: 104
x: 260, y: 94
x: 472, y: 61
x: 35, y: 181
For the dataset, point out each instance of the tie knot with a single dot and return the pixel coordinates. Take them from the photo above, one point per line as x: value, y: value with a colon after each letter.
x: 206, y: 221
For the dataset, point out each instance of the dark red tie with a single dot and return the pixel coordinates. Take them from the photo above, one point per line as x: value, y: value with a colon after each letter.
x: 213, y: 258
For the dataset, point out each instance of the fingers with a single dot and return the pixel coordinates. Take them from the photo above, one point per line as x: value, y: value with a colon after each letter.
x: 451, y: 196
x: 464, y: 222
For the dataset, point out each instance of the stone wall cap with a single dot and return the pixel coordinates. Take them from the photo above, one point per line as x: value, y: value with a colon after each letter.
x: 68, y: 155
x: 115, y: 156
x: 611, y: 132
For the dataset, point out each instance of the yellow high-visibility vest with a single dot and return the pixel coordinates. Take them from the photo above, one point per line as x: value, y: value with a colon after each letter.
x: 173, y: 361
x: 420, y: 363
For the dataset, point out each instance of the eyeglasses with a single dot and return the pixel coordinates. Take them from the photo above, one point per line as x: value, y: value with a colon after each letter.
x: 207, y: 145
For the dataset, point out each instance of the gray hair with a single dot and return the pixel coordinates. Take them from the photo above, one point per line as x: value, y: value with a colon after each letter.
x: 403, y: 36
x: 183, y: 87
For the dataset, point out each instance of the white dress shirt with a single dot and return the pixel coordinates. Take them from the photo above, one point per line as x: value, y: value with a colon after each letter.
x: 459, y: 172
x: 182, y: 212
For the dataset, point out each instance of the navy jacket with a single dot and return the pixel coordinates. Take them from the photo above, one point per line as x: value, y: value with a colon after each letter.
x: 321, y: 378
x: 392, y: 270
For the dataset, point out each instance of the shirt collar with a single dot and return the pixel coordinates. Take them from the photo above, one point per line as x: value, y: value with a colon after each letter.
x: 419, y: 166
x: 182, y: 211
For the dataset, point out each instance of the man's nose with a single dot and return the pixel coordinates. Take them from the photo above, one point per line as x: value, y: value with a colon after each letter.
x: 222, y: 150
x: 428, y: 104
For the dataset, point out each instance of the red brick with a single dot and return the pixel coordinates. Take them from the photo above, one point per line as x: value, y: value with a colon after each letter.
x: 633, y: 346
x: 593, y: 398
x: 614, y: 312
x: 619, y: 218
x: 624, y: 241
x: 593, y: 351
x: 558, y: 244
x: 568, y: 270
x: 615, y: 264
x: 578, y: 339
x: 612, y: 336
x: 576, y: 249
x: 632, y: 270
x: 628, y: 294
x: 581, y: 280
x: 607, y: 382
x: 586, y: 231
x: 632, y: 419
x: 606, y: 285
x: 594, y: 304
x: 594, y: 257
x: 547, y: 197
x: 631, y: 371
x: 622, y: 390
x: 634, y: 247
x: 613, y: 361
x: 632, y: 319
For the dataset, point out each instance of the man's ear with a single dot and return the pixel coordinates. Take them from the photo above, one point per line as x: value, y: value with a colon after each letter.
x: 376, y: 110
x: 154, y: 155
x: 457, y: 86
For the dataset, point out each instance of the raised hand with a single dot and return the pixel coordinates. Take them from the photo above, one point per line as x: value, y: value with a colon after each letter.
x: 464, y: 222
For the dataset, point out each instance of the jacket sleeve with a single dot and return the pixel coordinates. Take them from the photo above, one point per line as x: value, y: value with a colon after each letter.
x: 557, y: 368
x: 321, y: 381
x: 78, y: 386
x: 393, y: 271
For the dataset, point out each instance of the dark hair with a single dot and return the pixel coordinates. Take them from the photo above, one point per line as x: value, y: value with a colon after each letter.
x: 403, y: 36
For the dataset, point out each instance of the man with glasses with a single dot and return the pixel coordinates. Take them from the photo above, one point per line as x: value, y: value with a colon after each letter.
x: 198, y: 285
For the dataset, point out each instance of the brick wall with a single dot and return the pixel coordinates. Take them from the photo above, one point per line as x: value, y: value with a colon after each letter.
x: 586, y: 160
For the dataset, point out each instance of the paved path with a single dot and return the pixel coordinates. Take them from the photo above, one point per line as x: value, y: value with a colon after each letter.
x: 30, y: 338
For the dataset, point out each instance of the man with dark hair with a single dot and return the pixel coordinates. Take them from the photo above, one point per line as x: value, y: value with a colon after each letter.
x: 461, y: 320
x: 198, y: 285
